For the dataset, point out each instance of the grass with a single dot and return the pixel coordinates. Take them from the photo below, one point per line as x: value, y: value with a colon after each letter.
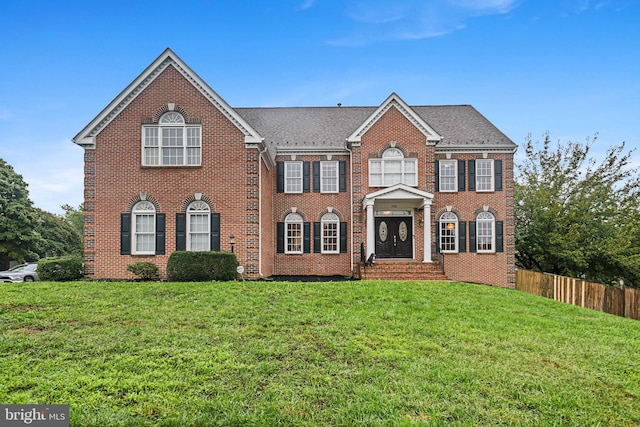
x: 349, y: 353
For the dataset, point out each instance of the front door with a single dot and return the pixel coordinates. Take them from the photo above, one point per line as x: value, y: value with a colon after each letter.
x: 394, y: 237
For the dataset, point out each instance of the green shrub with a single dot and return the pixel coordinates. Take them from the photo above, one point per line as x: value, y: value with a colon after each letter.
x: 60, y: 269
x: 144, y: 270
x: 185, y: 266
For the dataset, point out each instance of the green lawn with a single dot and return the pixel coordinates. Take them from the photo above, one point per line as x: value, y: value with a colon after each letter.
x: 349, y: 353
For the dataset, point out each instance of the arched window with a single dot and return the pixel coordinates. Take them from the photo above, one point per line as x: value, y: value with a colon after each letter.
x: 448, y: 232
x: 485, y: 232
x: 393, y: 168
x: 199, y: 226
x: 143, y: 223
x: 293, y: 233
x: 171, y: 142
x: 330, y: 229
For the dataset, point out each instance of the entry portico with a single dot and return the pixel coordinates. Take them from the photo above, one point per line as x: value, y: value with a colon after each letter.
x: 391, y: 221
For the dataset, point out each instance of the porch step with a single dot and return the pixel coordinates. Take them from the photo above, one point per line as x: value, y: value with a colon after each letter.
x: 402, y: 270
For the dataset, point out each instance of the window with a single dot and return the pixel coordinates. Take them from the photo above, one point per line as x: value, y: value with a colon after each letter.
x: 143, y: 221
x: 171, y: 143
x: 484, y: 175
x: 448, y: 232
x: 198, y: 224
x: 447, y: 175
x: 293, y: 233
x: 329, y: 177
x: 393, y: 169
x: 330, y: 233
x: 485, y: 231
x: 293, y: 177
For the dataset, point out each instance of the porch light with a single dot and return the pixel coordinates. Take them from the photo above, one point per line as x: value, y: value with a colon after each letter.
x: 232, y: 241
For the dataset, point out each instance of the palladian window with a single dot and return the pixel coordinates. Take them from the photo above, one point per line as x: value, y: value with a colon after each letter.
x: 393, y: 168
x: 171, y: 142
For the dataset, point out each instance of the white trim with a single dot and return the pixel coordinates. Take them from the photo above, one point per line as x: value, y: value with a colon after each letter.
x: 492, y: 176
x: 287, y: 177
x: 335, y: 221
x: 337, y: 177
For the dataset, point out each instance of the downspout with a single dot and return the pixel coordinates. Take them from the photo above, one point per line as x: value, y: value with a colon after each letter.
x: 350, y: 201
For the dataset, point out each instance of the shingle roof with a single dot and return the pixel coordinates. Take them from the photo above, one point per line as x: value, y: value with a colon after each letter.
x: 461, y: 126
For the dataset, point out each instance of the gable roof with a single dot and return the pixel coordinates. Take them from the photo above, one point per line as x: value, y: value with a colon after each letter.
x: 305, y: 129
x: 86, y: 137
x: 394, y: 101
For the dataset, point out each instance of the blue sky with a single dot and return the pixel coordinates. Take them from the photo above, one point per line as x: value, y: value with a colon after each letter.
x: 568, y: 67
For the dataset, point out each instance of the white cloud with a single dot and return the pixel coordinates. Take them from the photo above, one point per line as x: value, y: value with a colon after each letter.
x: 381, y: 20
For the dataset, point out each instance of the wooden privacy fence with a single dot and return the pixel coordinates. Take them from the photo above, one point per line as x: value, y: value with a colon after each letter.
x: 623, y: 302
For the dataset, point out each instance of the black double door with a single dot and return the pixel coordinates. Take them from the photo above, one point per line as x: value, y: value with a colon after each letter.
x: 394, y: 237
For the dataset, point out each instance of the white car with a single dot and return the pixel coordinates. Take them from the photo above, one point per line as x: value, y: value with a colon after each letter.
x: 20, y: 273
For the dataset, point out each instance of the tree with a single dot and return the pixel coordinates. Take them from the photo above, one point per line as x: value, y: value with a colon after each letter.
x: 577, y: 217
x: 58, y: 236
x: 18, y: 222
x: 76, y: 218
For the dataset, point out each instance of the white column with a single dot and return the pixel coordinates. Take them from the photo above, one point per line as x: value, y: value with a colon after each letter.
x: 427, y: 232
x: 371, y: 239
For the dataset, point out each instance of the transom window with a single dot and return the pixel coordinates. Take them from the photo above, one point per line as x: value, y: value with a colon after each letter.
x: 293, y: 177
x: 393, y: 168
x: 330, y: 233
x: 143, y: 220
x: 199, y: 226
x: 484, y: 175
x: 171, y: 142
x: 448, y: 232
x: 329, y: 177
x: 485, y: 232
x: 293, y: 233
x: 447, y: 174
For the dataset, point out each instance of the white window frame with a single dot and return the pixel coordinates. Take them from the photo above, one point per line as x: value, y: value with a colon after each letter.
x: 330, y: 241
x: 293, y: 233
x: 484, y: 182
x: 198, y: 209
x: 452, y: 185
x: 448, y: 233
x: 143, y: 214
x: 393, y: 156
x: 290, y: 181
x: 171, y: 136
x: 328, y: 184
x: 485, y: 233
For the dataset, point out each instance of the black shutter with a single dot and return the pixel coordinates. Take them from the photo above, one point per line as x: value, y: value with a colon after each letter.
x: 125, y: 234
x: 316, y: 177
x: 472, y: 175
x: 342, y: 176
x: 343, y: 237
x: 280, y: 238
x: 215, y: 232
x: 497, y: 165
x: 499, y: 236
x: 280, y: 173
x: 461, y: 175
x: 317, y: 244
x: 307, y: 238
x: 306, y: 178
x: 472, y: 237
x: 181, y: 232
x: 462, y: 236
x: 437, y: 237
x: 160, y: 233
x: 437, y: 175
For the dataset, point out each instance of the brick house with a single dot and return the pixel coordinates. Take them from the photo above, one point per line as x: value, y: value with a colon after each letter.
x: 169, y: 165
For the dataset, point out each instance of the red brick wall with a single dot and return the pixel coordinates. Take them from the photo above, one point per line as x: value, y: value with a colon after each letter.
x: 268, y: 228
x: 495, y: 269
x: 311, y: 206
x: 114, y: 176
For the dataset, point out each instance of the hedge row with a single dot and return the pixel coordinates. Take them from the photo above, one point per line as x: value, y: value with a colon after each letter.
x: 185, y: 266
